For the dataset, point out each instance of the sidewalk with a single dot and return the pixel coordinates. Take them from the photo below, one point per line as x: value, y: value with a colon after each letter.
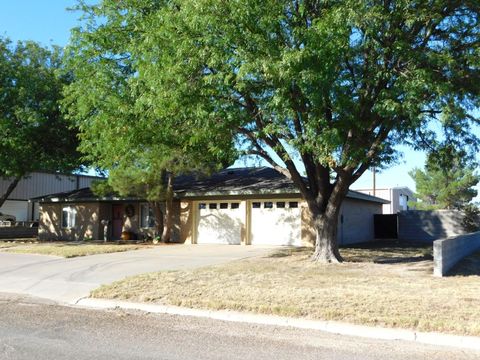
x: 467, y: 342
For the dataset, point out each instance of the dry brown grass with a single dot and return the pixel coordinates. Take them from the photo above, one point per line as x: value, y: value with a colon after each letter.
x: 393, y: 294
x: 6, y: 244
x: 66, y: 250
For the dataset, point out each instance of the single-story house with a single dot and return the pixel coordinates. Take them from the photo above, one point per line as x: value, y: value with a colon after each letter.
x: 233, y: 206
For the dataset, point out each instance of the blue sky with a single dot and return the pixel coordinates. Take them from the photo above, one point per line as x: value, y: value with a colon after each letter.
x: 48, y: 22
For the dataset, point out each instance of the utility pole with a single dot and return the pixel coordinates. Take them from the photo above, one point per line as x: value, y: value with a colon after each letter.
x: 374, y: 170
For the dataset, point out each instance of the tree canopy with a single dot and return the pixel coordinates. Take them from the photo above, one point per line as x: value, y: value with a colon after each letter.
x: 448, y: 180
x: 322, y: 86
x: 34, y: 134
x: 142, y: 143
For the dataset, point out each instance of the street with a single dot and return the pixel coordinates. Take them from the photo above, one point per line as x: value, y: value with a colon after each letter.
x: 31, y: 328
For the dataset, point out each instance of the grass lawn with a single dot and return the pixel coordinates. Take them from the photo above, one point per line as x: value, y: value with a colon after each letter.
x: 66, y: 250
x: 377, y: 285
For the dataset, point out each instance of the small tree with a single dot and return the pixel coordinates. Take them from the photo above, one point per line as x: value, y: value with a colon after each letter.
x: 448, y: 180
x: 34, y: 134
x: 125, y: 129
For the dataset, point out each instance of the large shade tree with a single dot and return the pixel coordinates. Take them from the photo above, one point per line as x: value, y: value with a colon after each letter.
x: 33, y: 133
x: 142, y: 143
x: 321, y: 86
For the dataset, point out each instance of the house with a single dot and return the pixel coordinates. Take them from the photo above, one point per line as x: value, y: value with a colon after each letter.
x: 38, y: 184
x: 398, y: 198
x: 234, y: 206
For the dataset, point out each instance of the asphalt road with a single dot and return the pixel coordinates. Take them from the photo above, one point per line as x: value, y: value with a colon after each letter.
x: 35, y: 329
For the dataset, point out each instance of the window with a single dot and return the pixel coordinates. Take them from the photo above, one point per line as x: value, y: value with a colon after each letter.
x: 293, y: 204
x: 223, y: 205
x: 280, y: 204
x: 268, y: 205
x: 202, y: 206
x: 403, y: 202
x: 234, y: 205
x: 69, y: 215
x: 212, y: 206
x: 256, y: 205
x: 147, y: 216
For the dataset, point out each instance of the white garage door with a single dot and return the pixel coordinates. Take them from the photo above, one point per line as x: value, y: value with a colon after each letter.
x: 220, y: 222
x: 275, y: 222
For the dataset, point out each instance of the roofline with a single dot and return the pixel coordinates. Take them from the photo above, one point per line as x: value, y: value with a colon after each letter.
x: 58, y: 200
x: 189, y: 195
x: 388, y: 188
x: 353, y: 194
x: 196, y: 194
x: 67, y: 174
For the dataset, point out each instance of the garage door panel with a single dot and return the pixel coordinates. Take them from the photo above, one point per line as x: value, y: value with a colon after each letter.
x: 275, y: 222
x: 220, y: 223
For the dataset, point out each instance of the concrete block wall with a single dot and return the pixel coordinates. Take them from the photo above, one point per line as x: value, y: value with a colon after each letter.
x: 448, y: 252
x: 427, y: 226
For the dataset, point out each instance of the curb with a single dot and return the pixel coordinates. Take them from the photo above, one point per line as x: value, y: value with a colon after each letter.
x: 467, y: 342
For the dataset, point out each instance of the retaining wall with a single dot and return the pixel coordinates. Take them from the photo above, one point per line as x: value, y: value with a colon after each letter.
x: 427, y: 226
x: 447, y: 252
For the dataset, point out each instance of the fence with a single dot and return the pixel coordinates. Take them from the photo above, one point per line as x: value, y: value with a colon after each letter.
x: 427, y: 226
x: 18, y: 230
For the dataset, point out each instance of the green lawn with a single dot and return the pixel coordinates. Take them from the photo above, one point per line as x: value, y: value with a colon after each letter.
x: 388, y: 286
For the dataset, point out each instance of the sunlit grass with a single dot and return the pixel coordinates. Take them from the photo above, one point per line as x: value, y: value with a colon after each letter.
x: 372, y: 290
x: 66, y: 250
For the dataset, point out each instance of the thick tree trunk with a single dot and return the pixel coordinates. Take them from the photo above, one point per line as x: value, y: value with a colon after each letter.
x: 326, y: 245
x: 158, y: 218
x: 10, y: 189
x: 325, y: 215
x: 167, y: 231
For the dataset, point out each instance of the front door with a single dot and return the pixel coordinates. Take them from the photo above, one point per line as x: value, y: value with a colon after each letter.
x: 117, y: 221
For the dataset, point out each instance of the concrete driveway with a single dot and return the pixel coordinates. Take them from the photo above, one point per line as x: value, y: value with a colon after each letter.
x: 68, y: 280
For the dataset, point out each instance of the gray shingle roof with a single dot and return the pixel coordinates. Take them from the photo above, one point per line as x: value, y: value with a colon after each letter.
x: 228, y: 182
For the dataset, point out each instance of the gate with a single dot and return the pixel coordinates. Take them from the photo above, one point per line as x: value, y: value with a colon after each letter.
x: 386, y: 226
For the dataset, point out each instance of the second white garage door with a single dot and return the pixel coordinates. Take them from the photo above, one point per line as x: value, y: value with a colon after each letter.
x: 220, y: 222
x: 275, y: 222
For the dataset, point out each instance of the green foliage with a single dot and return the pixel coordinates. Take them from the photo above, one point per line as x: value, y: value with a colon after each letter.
x: 471, y: 219
x: 332, y: 84
x: 34, y: 134
x: 447, y: 181
x: 101, y: 188
x: 129, y: 124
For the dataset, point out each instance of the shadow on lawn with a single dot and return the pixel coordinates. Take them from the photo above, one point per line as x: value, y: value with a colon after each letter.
x: 388, y: 252
x: 470, y: 266
x: 378, y: 252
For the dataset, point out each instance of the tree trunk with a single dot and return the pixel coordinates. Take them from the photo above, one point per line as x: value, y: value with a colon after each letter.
x: 326, y: 245
x: 325, y: 220
x: 158, y: 218
x: 167, y: 230
x: 10, y: 189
